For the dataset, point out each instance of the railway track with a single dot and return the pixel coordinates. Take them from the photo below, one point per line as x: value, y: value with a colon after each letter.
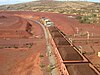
x: 75, y: 63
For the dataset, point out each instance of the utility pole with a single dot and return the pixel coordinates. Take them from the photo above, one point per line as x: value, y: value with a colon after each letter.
x: 88, y: 35
x: 77, y: 30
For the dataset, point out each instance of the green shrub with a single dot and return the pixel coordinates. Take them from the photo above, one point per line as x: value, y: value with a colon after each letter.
x: 42, y: 65
x: 41, y: 55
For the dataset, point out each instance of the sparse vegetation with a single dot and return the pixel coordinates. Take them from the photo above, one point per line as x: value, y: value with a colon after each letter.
x: 41, y: 56
x: 15, y: 47
x: 89, y: 11
x: 91, y: 18
x: 29, y: 45
x: 50, y: 67
x: 42, y: 65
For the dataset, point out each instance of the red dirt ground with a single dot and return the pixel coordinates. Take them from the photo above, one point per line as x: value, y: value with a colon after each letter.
x: 25, y: 61
x: 59, y: 19
x: 65, y: 24
x: 12, y: 58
